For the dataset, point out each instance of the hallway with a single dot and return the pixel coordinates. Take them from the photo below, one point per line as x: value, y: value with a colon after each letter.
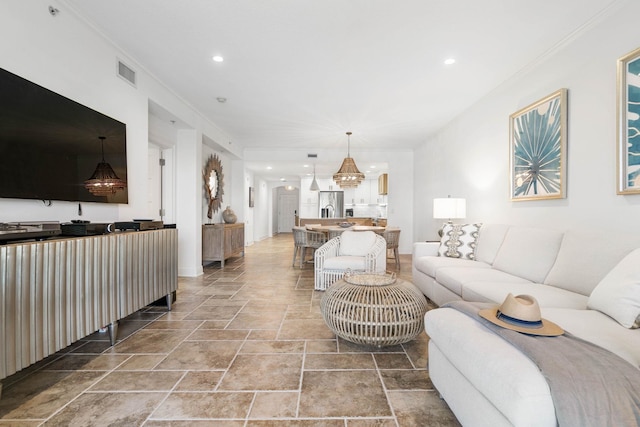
x: 243, y: 346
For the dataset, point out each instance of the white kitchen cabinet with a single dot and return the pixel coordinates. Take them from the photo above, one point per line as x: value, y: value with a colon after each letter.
x: 362, y: 192
x: 349, y: 196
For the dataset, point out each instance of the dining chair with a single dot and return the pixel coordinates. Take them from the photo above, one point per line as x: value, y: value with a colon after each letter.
x: 303, y: 239
x: 298, y: 243
x: 335, y: 232
x: 315, y: 239
x: 392, y: 236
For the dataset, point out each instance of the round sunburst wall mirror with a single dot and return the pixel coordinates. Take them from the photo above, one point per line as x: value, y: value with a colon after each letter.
x: 213, y: 184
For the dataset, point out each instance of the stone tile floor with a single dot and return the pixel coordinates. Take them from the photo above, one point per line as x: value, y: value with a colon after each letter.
x: 242, y: 346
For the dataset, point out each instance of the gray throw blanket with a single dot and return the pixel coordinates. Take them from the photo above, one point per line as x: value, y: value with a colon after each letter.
x: 590, y: 386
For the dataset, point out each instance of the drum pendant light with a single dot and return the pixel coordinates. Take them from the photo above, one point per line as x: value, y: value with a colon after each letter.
x: 348, y: 175
x: 104, y: 180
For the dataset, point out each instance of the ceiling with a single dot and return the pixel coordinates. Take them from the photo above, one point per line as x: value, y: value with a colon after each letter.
x: 298, y: 74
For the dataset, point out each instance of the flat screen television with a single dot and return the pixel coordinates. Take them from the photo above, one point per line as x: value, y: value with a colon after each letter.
x: 50, y: 145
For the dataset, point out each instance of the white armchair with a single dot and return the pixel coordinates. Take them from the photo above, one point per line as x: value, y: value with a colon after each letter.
x: 363, y: 251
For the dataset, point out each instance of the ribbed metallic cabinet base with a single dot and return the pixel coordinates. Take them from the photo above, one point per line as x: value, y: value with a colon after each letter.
x: 56, y: 292
x: 147, y: 268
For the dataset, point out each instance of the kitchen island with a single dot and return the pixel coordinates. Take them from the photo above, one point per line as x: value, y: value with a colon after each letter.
x: 336, y: 221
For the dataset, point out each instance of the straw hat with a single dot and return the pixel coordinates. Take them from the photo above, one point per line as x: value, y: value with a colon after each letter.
x: 522, y: 314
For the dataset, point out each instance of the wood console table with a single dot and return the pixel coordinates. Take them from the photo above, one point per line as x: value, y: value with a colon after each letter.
x: 222, y: 241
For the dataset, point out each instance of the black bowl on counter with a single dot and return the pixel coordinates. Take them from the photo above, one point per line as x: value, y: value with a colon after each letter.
x: 346, y: 224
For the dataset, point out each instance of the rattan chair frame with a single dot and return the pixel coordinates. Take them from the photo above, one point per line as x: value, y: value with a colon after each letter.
x: 375, y: 260
x: 305, y: 239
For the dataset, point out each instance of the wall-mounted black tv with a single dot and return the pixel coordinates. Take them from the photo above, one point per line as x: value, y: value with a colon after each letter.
x: 49, y: 144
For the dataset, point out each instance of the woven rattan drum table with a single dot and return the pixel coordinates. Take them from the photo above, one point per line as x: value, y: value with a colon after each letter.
x: 374, y: 309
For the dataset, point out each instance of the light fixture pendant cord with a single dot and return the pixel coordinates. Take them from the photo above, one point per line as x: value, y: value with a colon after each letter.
x: 348, y: 144
x: 102, y: 138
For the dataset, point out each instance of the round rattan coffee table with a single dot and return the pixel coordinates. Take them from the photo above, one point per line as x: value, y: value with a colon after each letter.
x: 374, y: 309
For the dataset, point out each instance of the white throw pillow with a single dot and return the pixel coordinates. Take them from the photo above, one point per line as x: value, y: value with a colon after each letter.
x: 618, y: 294
x: 459, y: 241
x: 356, y: 243
x: 582, y: 263
x: 490, y: 239
x: 528, y: 252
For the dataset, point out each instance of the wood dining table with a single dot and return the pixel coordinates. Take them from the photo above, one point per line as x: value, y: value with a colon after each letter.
x: 326, y: 228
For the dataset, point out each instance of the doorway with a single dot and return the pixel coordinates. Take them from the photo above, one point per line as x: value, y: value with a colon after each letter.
x: 287, y: 207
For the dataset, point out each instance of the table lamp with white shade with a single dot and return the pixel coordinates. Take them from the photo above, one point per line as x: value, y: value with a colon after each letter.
x: 449, y: 208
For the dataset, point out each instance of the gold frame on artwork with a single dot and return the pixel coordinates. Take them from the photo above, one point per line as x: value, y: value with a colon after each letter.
x: 628, y: 120
x: 537, y: 149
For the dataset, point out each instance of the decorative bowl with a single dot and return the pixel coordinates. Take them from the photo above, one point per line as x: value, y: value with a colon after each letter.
x: 346, y: 224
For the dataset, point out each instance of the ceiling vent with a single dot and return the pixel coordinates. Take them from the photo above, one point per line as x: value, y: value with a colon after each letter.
x: 125, y: 72
x: 312, y: 156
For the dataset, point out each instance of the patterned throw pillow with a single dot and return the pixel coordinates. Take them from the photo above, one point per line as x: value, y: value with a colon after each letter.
x: 459, y: 241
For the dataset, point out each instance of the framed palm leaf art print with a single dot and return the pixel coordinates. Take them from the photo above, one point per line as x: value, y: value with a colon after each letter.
x: 538, y: 146
x: 628, y: 153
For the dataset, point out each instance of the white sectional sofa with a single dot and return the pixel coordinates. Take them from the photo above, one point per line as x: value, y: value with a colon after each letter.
x: 582, y: 279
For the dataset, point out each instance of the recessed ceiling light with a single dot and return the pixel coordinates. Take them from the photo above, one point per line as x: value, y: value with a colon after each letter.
x: 218, y: 58
x: 305, y: 166
x: 282, y: 179
x: 269, y: 168
x: 221, y: 99
x: 449, y: 61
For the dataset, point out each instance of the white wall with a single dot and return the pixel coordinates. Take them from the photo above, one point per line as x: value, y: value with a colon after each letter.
x: 190, y: 201
x: 262, y: 210
x: 67, y: 56
x: 469, y: 157
x: 244, y: 179
x: 60, y: 54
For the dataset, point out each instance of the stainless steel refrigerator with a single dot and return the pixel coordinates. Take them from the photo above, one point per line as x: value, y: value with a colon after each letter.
x: 331, y: 204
